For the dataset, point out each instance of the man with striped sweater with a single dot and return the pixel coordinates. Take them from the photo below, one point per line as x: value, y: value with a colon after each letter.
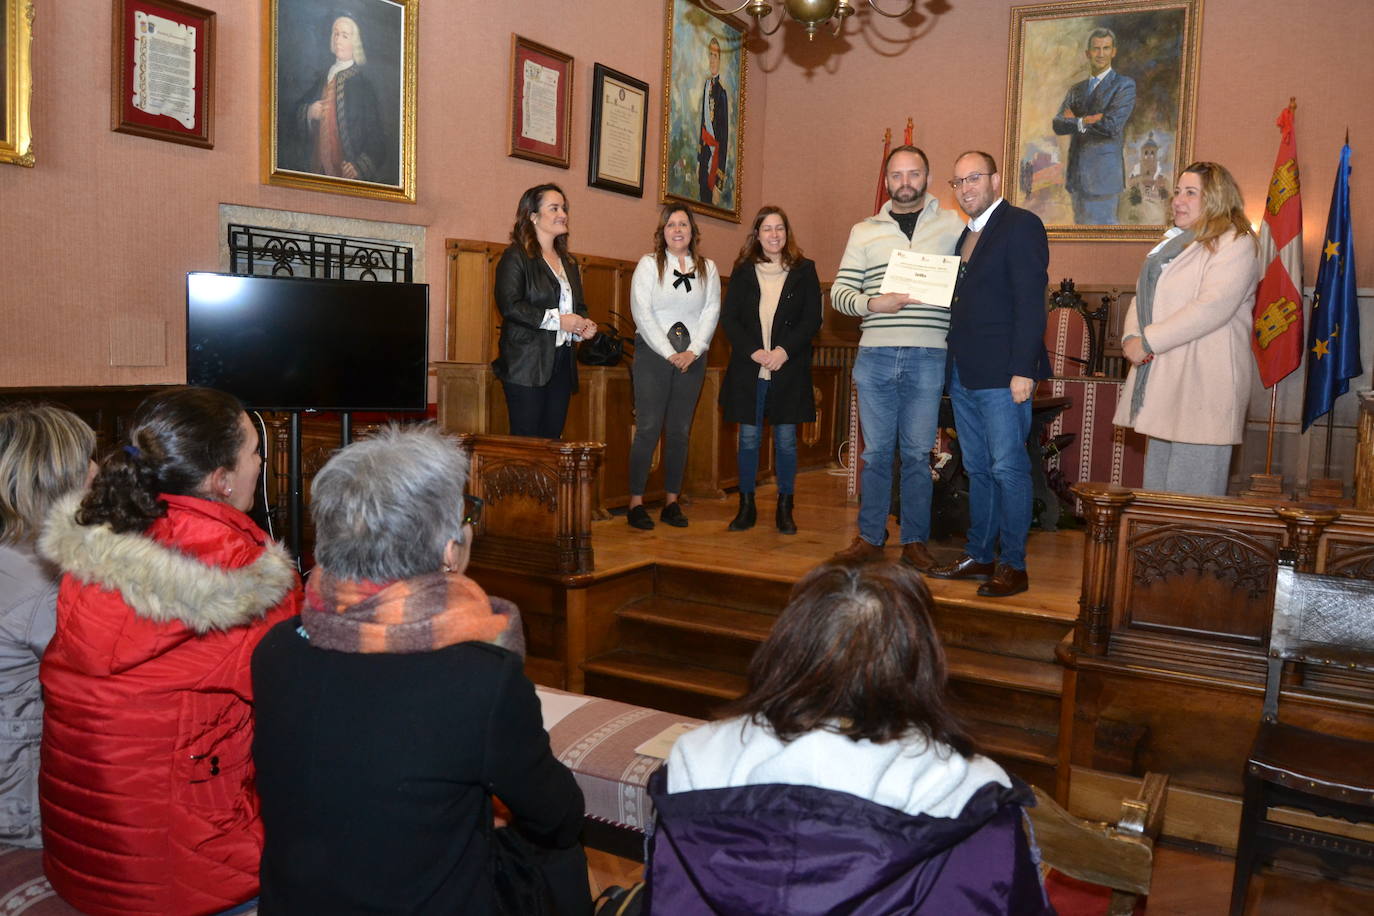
x: 900, y: 368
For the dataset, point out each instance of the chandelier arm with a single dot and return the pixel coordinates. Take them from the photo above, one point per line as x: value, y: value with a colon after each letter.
x: 782, y: 17
x: 711, y: 7
x: 910, y: 5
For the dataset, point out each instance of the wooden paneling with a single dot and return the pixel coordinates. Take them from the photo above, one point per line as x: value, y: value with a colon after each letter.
x: 472, y: 316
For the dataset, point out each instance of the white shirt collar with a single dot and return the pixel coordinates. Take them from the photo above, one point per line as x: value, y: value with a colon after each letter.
x: 1168, y: 234
x: 339, y: 67
x: 978, y: 222
x: 1100, y: 77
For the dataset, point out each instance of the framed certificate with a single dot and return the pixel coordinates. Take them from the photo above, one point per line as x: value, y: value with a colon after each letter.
x: 620, y: 123
x: 162, y: 75
x: 540, y: 102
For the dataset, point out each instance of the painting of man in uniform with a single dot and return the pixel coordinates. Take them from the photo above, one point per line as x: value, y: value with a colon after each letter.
x: 339, y: 77
x: 1100, y: 103
x: 704, y: 76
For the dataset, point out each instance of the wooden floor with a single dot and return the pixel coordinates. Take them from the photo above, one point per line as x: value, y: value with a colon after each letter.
x: 1186, y: 883
x: 826, y: 522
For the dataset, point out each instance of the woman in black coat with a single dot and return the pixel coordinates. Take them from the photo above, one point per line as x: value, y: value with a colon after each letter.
x: 539, y: 295
x: 771, y: 311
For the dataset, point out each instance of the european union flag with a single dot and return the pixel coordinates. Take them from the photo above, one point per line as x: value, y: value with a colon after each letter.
x: 1333, y: 336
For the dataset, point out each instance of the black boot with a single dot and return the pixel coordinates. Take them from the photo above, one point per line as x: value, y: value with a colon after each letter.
x: 784, y: 518
x: 747, y: 514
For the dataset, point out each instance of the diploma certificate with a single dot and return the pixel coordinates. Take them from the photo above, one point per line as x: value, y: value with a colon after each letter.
x: 927, y: 278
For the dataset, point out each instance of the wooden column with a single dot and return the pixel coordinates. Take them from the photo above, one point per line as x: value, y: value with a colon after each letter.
x: 1102, y: 504
x: 1305, y: 526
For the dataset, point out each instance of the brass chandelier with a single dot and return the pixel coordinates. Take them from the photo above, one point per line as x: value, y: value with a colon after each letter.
x: 810, y: 13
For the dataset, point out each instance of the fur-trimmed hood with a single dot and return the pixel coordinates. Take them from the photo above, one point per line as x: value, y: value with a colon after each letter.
x: 162, y: 584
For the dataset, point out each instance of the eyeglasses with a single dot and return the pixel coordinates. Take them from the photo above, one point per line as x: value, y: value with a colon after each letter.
x: 971, y: 178
x: 472, y: 508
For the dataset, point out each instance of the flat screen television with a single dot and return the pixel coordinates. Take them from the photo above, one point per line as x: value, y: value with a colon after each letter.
x: 299, y: 344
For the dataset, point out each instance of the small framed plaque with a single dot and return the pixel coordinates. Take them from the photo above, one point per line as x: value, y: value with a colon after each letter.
x: 540, y: 102
x: 163, y: 71
x: 620, y: 123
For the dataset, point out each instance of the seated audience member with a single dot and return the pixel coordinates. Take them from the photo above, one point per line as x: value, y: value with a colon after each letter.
x: 45, y: 453
x: 393, y: 709
x: 842, y: 783
x: 147, y: 779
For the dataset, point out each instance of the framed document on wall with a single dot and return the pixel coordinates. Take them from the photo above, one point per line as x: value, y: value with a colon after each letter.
x: 162, y: 71
x: 540, y: 102
x: 620, y: 123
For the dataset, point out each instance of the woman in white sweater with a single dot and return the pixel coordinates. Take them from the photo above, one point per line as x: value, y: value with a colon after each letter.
x: 675, y: 301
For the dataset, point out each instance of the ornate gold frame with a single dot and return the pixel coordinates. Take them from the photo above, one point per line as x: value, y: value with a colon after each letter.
x: 1186, y: 87
x: 272, y: 174
x: 16, y: 143
x: 665, y: 147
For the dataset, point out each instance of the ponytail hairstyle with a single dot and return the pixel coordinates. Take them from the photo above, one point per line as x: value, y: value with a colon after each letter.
x: 177, y: 438
x: 45, y: 452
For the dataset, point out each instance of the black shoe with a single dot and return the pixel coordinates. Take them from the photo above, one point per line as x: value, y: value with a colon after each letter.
x: 639, y: 518
x: 747, y: 514
x: 672, y: 515
x: 784, y: 516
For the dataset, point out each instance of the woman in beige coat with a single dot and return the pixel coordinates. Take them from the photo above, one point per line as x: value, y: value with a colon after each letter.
x: 1187, y: 336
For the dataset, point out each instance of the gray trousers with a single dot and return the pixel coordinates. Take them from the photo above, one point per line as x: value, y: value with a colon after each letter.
x: 665, y: 400
x: 1186, y: 467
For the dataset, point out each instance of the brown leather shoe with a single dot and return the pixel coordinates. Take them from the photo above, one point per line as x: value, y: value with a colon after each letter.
x: 917, y: 556
x: 860, y: 551
x: 1005, y: 582
x: 966, y: 567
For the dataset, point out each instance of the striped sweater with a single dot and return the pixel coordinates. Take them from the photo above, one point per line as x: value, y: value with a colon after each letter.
x: 865, y: 261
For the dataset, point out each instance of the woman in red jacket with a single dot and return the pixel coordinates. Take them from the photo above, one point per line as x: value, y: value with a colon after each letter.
x: 146, y: 782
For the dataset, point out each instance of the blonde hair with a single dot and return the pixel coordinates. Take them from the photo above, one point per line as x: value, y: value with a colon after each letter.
x: 45, y: 452
x: 1223, y: 208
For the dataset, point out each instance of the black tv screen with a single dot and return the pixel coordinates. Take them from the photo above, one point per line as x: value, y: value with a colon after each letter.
x: 298, y: 344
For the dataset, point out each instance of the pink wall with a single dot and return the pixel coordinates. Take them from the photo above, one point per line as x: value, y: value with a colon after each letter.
x: 825, y: 129
x: 108, y: 224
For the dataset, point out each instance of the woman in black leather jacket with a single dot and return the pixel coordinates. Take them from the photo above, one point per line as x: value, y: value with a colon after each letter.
x: 539, y: 295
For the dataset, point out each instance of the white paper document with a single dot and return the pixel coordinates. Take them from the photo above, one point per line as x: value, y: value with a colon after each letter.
x: 927, y: 278
x: 165, y: 68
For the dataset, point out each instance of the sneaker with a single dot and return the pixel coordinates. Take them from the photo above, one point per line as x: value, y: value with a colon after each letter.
x: 638, y: 517
x: 672, y: 515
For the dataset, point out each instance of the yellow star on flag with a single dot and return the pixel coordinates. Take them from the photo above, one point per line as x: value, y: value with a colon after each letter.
x: 1331, y: 249
x: 1321, y: 349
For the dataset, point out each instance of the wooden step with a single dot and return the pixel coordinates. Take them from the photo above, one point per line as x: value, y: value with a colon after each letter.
x: 762, y: 593
x: 651, y: 669
x: 1005, y: 671
x: 694, y: 616
x: 1021, y: 635
x: 1004, y: 741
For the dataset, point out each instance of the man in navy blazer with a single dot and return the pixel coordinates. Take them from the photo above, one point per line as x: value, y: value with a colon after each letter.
x: 1094, y: 116
x: 996, y: 354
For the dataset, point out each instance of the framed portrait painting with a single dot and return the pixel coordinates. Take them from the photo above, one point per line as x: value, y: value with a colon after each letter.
x: 339, y: 96
x: 162, y: 71
x: 16, y: 82
x: 704, y: 75
x: 1100, y: 104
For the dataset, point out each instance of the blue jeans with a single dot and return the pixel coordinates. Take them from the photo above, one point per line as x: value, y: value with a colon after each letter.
x: 992, y: 436
x: 899, y: 403
x: 784, y: 446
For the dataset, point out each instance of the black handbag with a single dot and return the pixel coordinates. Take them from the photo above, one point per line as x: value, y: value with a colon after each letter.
x: 521, y: 888
x: 605, y: 349
x: 679, y: 337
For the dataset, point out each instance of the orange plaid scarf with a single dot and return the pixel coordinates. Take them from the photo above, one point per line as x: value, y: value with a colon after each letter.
x: 420, y: 614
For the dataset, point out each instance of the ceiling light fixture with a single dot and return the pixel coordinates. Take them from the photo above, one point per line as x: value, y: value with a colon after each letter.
x: 810, y: 13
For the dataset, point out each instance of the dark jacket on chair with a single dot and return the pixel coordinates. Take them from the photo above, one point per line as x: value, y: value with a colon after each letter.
x: 997, y: 318
x: 791, y: 398
x: 526, y: 288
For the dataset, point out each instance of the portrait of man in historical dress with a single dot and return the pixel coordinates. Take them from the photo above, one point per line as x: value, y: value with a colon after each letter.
x: 338, y: 110
x: 715, y: 129
x: 1093, y: 115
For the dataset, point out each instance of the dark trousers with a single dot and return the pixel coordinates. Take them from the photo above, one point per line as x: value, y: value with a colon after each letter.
x: 665, y: 400
x: 540, y: 410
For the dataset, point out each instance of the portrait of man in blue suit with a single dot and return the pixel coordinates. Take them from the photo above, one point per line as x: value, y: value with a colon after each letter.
x: 1093, y: 116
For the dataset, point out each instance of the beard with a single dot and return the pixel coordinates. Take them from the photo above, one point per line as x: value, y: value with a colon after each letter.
x: 906, y: 194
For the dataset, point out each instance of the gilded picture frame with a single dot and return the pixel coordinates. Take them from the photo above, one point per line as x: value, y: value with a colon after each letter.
x: 697, y: 166
x: 16, y: 82
x: 1103, y: 172
x: 339, y: 96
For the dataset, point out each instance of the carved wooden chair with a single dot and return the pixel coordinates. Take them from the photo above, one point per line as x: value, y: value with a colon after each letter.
x: 1119, y: 856
x: 1318, y: 620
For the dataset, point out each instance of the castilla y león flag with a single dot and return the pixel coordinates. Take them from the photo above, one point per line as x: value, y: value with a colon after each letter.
x: 1277, y: 340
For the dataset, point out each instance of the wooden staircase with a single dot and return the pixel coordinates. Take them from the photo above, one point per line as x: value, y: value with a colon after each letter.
x: 682, y: 640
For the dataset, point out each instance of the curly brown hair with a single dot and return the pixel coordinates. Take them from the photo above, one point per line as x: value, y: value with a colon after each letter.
x: 855, y: 653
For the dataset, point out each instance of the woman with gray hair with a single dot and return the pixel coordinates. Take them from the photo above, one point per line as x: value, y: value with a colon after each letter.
x: 394, y: 709
x: 45, y: 453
